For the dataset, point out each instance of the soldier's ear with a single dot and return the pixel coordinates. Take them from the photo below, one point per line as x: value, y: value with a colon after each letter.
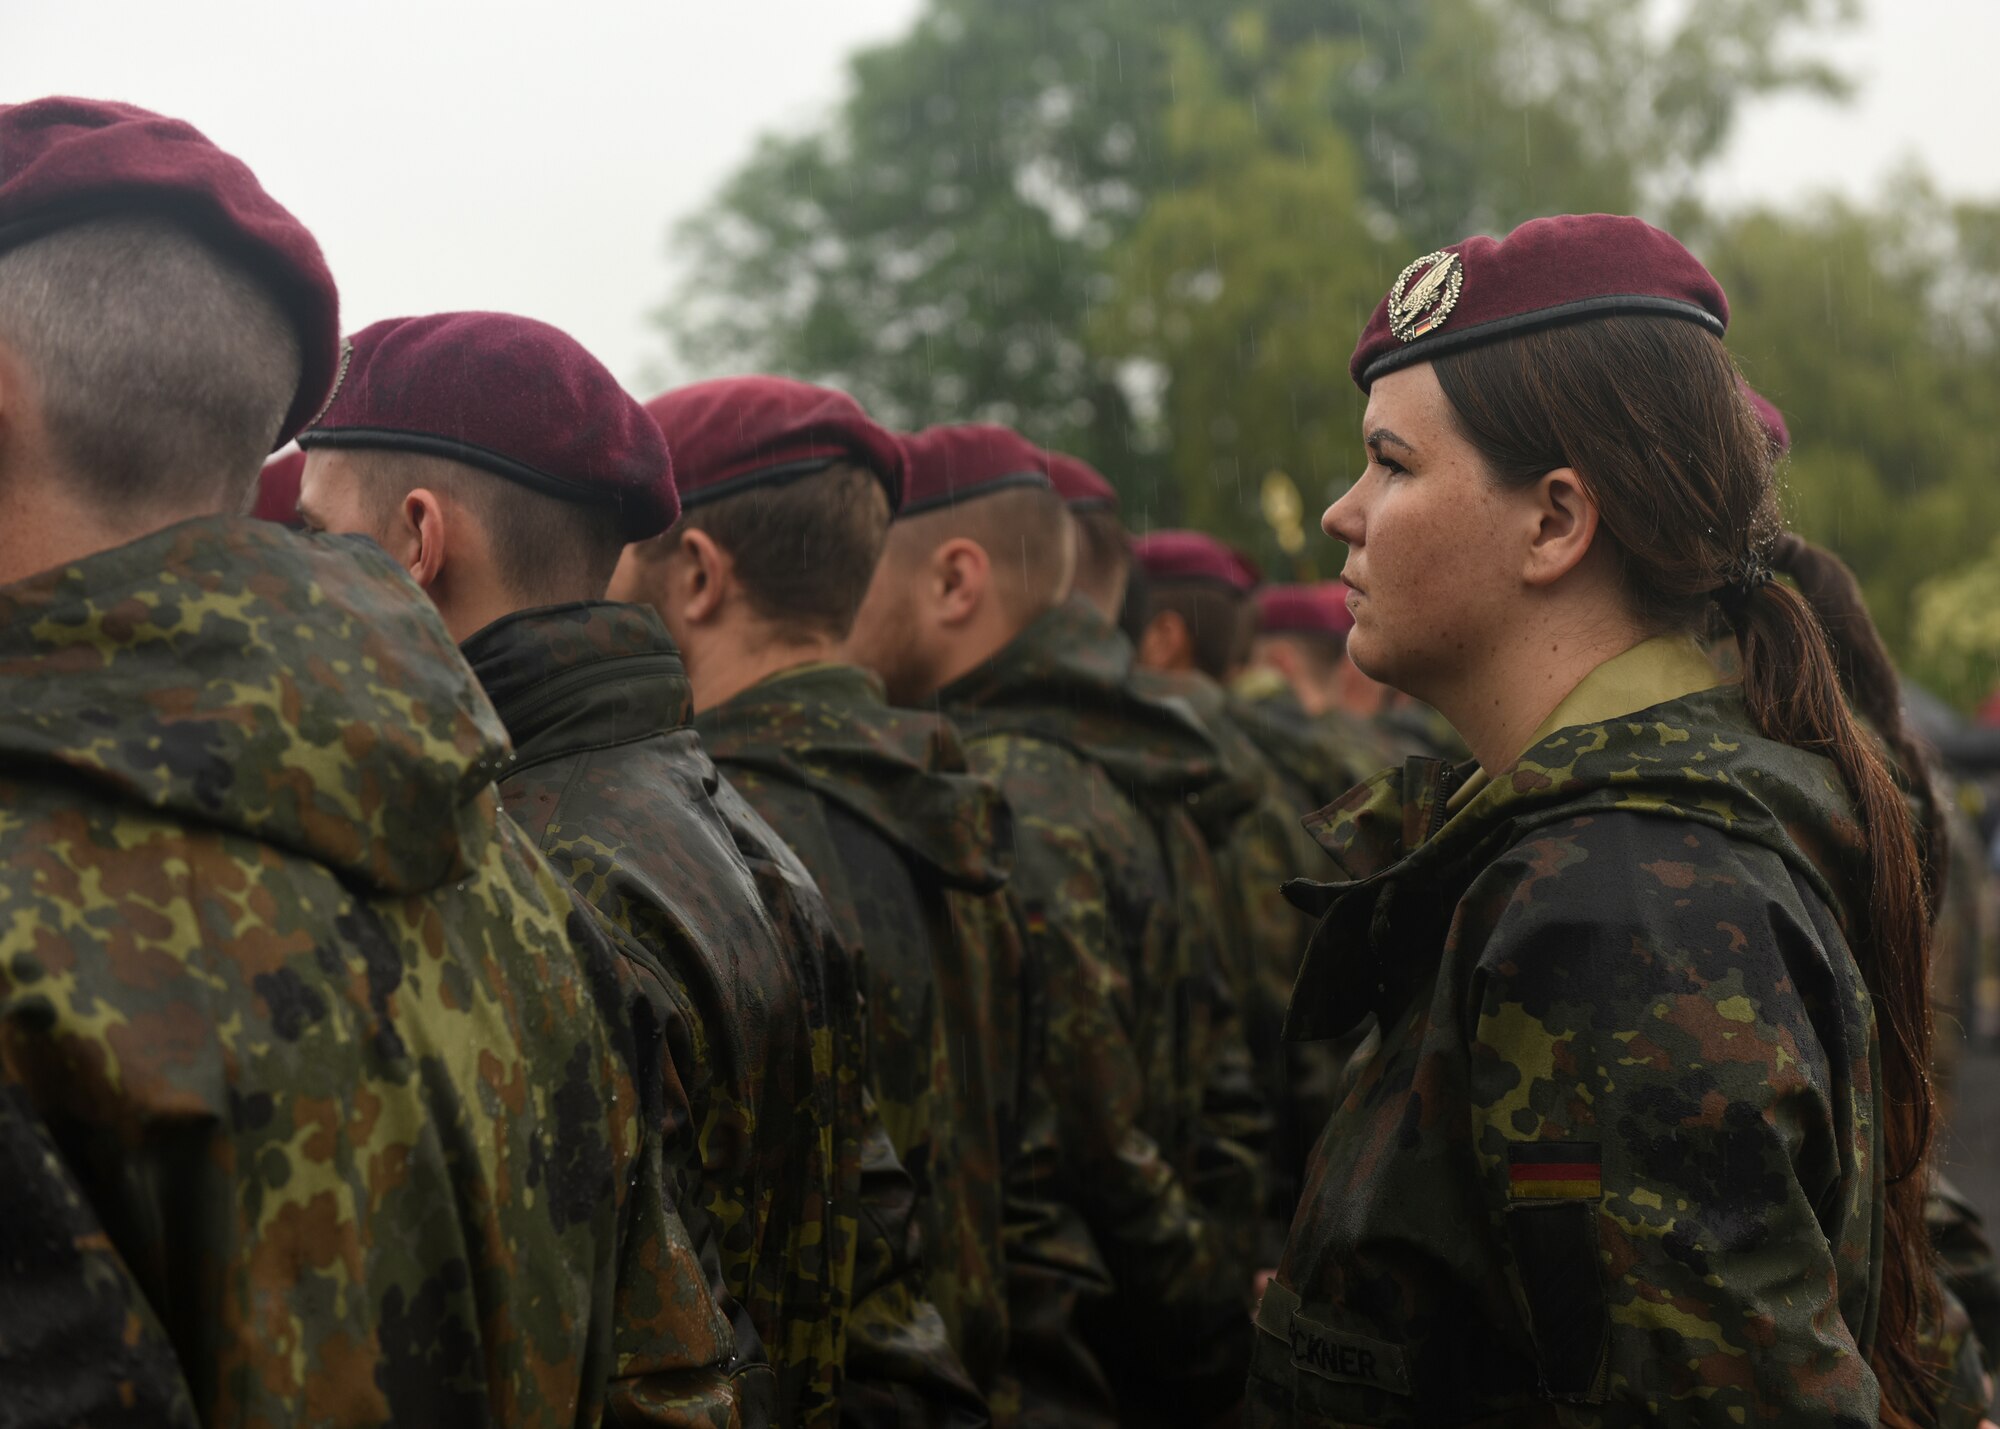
x: 1562, y: 515
x: 963, y: 577
x: 702, y: 575
x: 421, y: 531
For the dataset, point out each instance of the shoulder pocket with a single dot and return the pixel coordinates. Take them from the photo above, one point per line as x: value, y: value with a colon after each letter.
x: 1555, y: 1250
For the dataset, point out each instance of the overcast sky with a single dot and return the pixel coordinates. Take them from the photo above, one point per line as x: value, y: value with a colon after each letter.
x: 532, y: 156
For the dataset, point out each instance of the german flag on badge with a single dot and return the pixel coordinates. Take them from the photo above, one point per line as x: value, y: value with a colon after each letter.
x: 1555, y: 1171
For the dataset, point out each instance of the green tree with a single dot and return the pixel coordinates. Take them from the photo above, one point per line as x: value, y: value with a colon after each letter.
x: 1235, y: 301
x: 943, y: 245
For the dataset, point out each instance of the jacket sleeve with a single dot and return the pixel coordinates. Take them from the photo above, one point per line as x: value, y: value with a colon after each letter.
x: 1178, y: 1322
x: 686, y: 1355
x: 1668, y: 1132
x: 1233, y: 1123
x: 901, y: 1368
x: 79, y: 1344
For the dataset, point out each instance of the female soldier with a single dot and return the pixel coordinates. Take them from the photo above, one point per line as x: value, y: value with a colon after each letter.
x: 1643, y: 1138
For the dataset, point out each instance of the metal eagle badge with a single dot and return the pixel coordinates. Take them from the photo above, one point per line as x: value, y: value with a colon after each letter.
x: 1424, y: 295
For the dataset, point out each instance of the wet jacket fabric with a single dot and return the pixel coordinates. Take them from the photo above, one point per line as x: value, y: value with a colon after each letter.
x: 1258, y: 838
x: 611, y: 781
x: 1152, y: 1110
x: 910, y: 851
x: 1320, y: 757
x: 315, y: 1102
x: 1614, y: 1158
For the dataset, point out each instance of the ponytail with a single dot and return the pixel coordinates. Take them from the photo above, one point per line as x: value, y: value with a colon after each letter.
x: 1798, y: 684
x: 1868, y: 677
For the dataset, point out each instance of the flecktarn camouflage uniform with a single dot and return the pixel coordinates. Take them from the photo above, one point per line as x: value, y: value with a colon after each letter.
x: 911, y: 853
x: 314, y: 1103
x: 1614, y: 1159
x: 611, y: 780
x: 1155, y: 1175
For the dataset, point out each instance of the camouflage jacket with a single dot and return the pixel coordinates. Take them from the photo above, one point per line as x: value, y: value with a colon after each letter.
x: 910, y: 852
x: 316, y: 1106
x: 612, y: 782
x: 1613, y: 1159
x: 1127, y: 932
x: 1319, y: 757
x: 1258, y: 837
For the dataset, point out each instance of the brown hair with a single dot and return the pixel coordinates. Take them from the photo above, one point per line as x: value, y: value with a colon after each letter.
x: 1647, y: 410
x: 1219, y: 621
x: 806, y: 550
x: 1103, y: 556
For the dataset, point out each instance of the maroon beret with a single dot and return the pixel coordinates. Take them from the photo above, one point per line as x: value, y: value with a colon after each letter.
x: 1547, y: 271
x: 947, y: 465
x: 738, y: 432
x: 511, y: 396
x: 1770, y: 416
x: 278, y: 488
x: 67, y: 161
x: 1305, y: 610
x: 1194, y: 556
x: 1081, y: 486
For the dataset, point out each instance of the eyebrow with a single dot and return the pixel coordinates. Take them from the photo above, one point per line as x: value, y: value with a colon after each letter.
x: 1383, y: 434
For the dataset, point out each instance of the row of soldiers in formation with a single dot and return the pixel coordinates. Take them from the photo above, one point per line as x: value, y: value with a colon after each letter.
x: 715, y: 912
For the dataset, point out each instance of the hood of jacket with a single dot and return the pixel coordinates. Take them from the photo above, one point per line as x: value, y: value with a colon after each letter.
x: 828, y: 728
x: 1068, y: 678
x: 585, y: 675
x: 1698, y: 758
x: 296, y: 689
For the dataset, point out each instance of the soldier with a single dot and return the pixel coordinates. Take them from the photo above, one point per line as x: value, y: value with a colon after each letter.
x: 966, y: 610
x: 1103, y: 550
x: 1642, y: 1140
x: 506, y: 469
x: 315, y: 1102
x: 1289, y: 699
x: 1196, y: 635
x: 786, y: 490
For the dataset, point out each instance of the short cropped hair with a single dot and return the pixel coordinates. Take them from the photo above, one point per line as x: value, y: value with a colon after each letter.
x: 1103, y: 554
x: 546, y: 551
x: 166, y: 371
x: 806, y: 550
x: 1219, y: 621
x: 1029, y: 542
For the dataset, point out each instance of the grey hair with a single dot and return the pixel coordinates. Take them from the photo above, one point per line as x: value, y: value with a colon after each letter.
x: 165, y: 370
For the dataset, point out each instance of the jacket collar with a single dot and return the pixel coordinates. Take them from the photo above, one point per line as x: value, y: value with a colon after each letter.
x: 1068, y: 678
x: 827, y: 727
x: 583, y: 675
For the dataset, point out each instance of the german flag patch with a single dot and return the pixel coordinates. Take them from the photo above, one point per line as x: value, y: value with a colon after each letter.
x: 1555, y: 1171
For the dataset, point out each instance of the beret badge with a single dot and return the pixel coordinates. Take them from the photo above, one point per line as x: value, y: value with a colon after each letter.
x: 1424, y: 295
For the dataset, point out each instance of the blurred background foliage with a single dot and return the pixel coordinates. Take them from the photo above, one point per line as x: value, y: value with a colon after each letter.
x: 1148, y: 231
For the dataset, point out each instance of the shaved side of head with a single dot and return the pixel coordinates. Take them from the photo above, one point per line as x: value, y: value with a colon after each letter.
x: 1026, y: 533
x: 545, y: 551
x: 165, y: 371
